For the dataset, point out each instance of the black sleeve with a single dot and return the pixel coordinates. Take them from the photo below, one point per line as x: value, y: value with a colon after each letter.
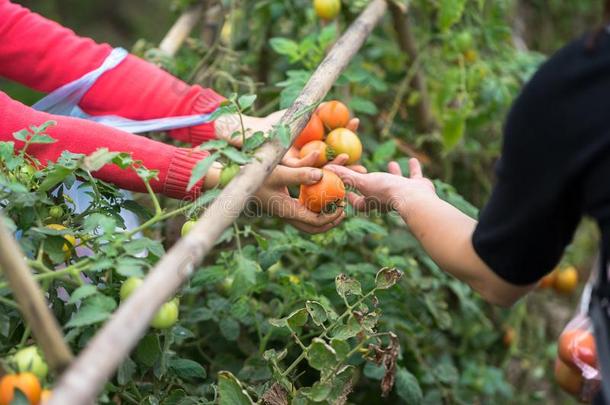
x: 534, y: 208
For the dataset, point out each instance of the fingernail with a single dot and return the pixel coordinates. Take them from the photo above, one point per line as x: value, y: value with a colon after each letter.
x: 316, y: 175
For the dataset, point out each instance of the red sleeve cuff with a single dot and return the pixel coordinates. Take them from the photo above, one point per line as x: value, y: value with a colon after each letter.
x: 207, y: 102
x: 179, y: 174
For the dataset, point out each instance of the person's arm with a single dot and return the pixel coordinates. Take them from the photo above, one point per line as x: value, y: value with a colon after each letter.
x: 42, y: 54
x: 443, y: 230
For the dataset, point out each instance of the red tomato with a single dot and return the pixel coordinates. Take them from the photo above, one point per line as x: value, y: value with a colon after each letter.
x: 577, y: 345
x: 334, y: 114
x: 314, y: 131
x: 320, y: 196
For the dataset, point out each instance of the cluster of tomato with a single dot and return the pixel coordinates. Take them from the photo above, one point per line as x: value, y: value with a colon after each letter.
x: 30, y: 369
x: 332, y: 117
x: 576, y: 363
x: 563, y: 280
x: 166, y: 316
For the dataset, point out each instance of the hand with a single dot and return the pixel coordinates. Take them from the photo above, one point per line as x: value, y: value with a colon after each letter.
x: 385, y: 191
x: 227, y: 125
x: 274, y: 199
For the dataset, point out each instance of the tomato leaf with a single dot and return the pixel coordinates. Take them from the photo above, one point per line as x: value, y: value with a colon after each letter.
x: 81, y: 293
x: 347, y: 286
x: 321, y: 355
x: 201, y: 169
x: 231, y: 391
x: 187, y: 369
x: 318, y: 313
x: 387, y: 277
x: 407, y: 387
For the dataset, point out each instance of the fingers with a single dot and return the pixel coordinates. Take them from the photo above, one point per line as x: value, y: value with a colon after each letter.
x: 340, y: 160
x: 353, y: 124
x: 394, y: 168
x: 294, y: 176
x: 312, y: 229
x: 308, y: 161
x: 357, y: 201
x: 415, y: 170
x: 358, y: 168
x: 348, y: 176
x: 291, y: 209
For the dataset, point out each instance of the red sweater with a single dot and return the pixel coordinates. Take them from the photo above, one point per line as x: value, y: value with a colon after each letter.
x: 41, y: 54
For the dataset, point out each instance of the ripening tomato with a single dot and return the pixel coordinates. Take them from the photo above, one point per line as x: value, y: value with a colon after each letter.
x: 325, y: 193
x: 27, y: 383
x: 509, y: 336
x: 70, y: 238
x: 342, y: 140
x: 45, y: 396
x: 548, y: 281
x: 227, y: 174
x: 187, y: 227
x: 314, y: 131
x: 56, y: 212
x: 30, y: 359
x: 567, y: 378
x: 327, y: 9
x: 334, y: 114
x: 325, y: 153
x: 167, y: 315
x: 566, y: 280
x: 471, y: 56
x: 577, y: 345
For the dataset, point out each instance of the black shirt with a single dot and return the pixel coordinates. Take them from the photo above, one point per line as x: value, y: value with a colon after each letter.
x: 554, y: 168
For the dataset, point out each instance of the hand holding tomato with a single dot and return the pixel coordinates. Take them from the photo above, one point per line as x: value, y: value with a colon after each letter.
x: 274, y: 199
x: 384, y: 191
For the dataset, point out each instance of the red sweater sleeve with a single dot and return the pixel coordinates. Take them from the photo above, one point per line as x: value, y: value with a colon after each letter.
x: 44, y: 55
x: 80, y: 136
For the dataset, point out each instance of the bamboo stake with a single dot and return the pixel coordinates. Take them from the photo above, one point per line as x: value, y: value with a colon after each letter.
x: 181, y: 29
x: 32, y: 303
x: 424, y: 120
x: 88, y: 373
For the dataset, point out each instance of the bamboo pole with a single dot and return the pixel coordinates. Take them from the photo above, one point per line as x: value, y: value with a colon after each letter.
x: 424, y: 120
x: 181, y: 29
x: 97, y: 363
x: 32, y: 303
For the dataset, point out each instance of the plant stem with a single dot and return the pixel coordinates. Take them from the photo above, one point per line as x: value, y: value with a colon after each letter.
x: 153, y: 196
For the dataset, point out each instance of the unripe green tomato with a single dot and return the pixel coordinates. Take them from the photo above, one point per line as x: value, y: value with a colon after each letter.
x: 25, y: 174
x: 129, y: 286
x: 167, y: 316
x: 29, y: 359
x: 464, y: 41
x: 227, y: 174
x: 56, y: 212
x: 187, y: 227
x: 327, y: 9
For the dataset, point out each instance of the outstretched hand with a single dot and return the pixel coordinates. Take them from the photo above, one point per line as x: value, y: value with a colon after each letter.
x: 384, y: 191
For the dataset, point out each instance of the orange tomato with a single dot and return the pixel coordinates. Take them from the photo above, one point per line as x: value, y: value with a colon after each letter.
x: 327, y: 9
x: 316, y: 146
x: 45, y: 396
x: 577, y: 344
x: 566, y: 280
x: 328, y: 191
x: 548, y: 281
x: 342, y: 140
x: 567, y: 378
x: 314, y: 131
x: 334, y: 114
x: 25, y: 382
x: 509, y: 336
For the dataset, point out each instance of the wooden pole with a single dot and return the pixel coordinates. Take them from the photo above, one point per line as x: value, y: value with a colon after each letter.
x: 32, y: 303
x: 424, y: 120
x: 181, y: 29
x: 87, y: 375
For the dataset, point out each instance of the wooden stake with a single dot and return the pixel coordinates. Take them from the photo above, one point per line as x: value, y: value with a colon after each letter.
x: 32, y: 303
x: 87, y: 375
x: 181, y: 29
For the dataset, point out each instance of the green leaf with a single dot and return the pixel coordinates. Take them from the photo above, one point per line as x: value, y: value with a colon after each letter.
x: 229, y: 328
x: 282, y: 132
x: 54, y: 176
x: 246, y: 101
x: 214, y: 144
x: 201, y: 169
x: 384, y: 153
x: 318, y: 392
x: 284, y: 46
x: 318, y: 313
x: 298, y: 318
x: 387, y: 277
x: 347, y: 286
x: 231, y: 391
x: 341, y: 347
x: 82, y: 292
x: 321, y: 355
x: 187, y: 369
x: 208, y: 275
x: 88, y: 314
x: 236, y: 156
x: 131, y: 266
x: 363, y: 106
x: 126, y: 371
x: 450, y: 12
x: 454, y: 127
x: 349, y: 330
x: 148, y: 351
x: 407, y: 387
x: 98, y: 159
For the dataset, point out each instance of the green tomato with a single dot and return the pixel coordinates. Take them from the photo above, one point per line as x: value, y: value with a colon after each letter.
x: 25, y: 174
x: 29, y: 359
x: 56, y: 212
x: 167, y: 316
x: 227, y: 174
x: 464, y: 41
x: 129, y: 286
x: 187, y: 227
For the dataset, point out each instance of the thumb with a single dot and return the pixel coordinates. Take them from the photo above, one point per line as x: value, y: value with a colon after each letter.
x: 348, y: 176
x: 294, y: 176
